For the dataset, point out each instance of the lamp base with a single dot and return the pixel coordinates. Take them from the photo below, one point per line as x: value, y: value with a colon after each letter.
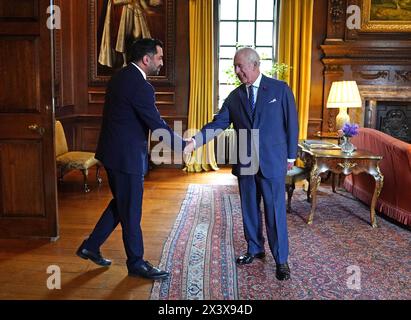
x: 342, y: 118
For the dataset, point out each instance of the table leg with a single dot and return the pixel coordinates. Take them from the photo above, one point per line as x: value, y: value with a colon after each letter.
x: 379, y: 182
x: 315, y: 180
x: 333, y: 181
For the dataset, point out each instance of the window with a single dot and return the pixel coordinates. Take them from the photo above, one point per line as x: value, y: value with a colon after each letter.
x: 244, y: 23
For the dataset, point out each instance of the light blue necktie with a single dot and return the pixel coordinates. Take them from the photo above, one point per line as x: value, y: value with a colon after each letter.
x: 251, y: 97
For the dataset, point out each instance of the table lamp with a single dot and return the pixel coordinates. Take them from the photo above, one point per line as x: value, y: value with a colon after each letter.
x: 343, y: 95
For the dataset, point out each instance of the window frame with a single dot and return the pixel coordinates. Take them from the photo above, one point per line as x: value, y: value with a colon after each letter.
x: 217, y: 46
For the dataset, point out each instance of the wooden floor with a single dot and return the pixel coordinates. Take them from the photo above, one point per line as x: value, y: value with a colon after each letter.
x: 24, y: 263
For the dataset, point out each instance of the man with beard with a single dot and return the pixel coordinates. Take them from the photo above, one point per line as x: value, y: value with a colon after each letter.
x: 129, y: 113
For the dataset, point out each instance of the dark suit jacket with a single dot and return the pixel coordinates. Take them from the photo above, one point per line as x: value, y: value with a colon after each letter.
x: 129, y: 113
x: 276, y: 119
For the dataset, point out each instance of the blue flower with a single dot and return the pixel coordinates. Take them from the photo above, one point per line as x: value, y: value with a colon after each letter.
x: 350, y: 130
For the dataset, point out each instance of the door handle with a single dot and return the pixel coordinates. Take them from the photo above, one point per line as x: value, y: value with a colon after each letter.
x: 36, y: 128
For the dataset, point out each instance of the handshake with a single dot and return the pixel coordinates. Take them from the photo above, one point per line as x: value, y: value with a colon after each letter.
x: 188, y: 150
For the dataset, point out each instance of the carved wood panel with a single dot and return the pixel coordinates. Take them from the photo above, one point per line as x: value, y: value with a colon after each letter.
x: 89, y: 137
x: 26, y: 9
x: 20, y: 75
x: 382, y: 75
x: 64, y: 56
x: 336, y: 18
x: 19, y: 192
x: 374, y: 59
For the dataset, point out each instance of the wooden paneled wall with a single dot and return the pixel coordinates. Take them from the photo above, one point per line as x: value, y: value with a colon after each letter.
x: 377, y: 56
x: 371, y: 58
x: 80, y: 85
x: 317, y: 67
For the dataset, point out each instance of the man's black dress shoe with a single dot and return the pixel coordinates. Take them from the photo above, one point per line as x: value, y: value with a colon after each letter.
x: 97, y: 258
x: 248, y: 257
x: 282, y: 272
x: 146, y: 270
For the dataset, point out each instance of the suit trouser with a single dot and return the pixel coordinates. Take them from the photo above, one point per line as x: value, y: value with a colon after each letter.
x: 273, y: 193
x: 124, y: 208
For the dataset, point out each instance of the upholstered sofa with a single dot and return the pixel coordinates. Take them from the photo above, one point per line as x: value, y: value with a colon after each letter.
x: 395, y: 198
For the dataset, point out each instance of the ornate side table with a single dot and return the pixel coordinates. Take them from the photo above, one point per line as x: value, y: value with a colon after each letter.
x: 337, y: 162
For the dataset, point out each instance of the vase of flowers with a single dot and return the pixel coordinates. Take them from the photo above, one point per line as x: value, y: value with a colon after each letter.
x: 348, y: 130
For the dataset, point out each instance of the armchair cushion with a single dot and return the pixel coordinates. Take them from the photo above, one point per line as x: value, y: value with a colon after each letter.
x: 76, y: 160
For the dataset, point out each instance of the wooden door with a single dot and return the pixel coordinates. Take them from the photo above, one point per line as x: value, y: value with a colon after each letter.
x: 28, y: 192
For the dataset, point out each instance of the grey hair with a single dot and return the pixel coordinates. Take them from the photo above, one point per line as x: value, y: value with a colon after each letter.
x: 251, y: 55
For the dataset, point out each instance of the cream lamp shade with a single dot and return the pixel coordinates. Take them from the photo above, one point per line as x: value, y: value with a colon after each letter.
x: 343, y: 95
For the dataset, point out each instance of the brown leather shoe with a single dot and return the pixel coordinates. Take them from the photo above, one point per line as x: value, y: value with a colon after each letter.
x: 248, y: 258
x: 283, y: 272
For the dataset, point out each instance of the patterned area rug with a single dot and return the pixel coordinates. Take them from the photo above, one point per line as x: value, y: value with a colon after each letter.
x: 338, y: 257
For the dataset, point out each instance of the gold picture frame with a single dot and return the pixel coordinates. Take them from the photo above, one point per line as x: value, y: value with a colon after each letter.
x: 386, y: 16
x: 161, y: 21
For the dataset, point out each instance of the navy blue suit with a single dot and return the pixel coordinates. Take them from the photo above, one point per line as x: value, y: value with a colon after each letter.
x: 275, y: 118
x: 129, y: 113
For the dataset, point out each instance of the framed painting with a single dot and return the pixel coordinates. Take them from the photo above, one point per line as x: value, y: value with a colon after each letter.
x: 114, y: 24
x: 386, y: 15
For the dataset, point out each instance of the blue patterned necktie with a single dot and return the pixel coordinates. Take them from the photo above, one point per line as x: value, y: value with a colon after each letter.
x: 251, y: 97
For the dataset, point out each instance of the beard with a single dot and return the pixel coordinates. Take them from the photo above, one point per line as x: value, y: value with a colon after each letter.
x: 154, y: 70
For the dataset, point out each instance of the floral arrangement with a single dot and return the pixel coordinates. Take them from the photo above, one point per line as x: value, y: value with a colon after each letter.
x: 349, y: 130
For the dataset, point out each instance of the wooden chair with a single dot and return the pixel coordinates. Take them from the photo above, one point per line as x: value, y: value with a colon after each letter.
x: 295, y: 175
x: 69, y: 160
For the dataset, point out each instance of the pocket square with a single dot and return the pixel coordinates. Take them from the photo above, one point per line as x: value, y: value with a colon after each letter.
x: 272, y: 101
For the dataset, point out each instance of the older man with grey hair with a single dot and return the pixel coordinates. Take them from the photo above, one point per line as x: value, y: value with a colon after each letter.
x: 265, y: 105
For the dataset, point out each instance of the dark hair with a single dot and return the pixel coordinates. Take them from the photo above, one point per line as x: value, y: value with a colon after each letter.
x: 144, y: 46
